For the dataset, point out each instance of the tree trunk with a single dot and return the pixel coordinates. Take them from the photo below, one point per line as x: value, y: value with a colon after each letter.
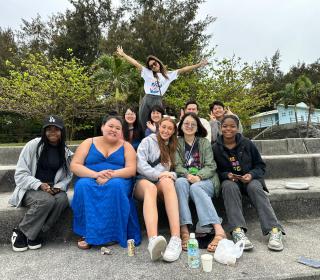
x: 308, y: 122
x: 297, y: 124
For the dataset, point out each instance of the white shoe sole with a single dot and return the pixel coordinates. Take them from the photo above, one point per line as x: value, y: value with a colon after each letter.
x: 19, y: 249
x: 275, y: 248
x: 34, y: 247
x: 248, y: 248
x: 158, y: 249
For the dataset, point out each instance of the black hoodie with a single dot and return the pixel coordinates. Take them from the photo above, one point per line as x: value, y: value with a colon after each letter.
x: 248, y: 156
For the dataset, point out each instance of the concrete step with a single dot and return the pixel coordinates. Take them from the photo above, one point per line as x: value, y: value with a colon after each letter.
x: 288, y: 204
x: 288, y: 146
x: 278, y: 166
x: 63, y: 260
x: 10, y: 155
x: 295, y: 165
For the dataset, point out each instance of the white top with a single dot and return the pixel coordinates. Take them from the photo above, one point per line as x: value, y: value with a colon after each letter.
x: 151, y: 85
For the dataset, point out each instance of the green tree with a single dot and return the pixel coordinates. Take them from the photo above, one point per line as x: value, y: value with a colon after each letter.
x: 40, y: 86
x: 167, y: 29
x: 117, y: 79
x: 8, y: 49
x: 292, y: 95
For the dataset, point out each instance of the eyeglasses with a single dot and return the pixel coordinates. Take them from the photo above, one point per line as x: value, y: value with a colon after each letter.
x: 153, y: 64
x: 192, y: 125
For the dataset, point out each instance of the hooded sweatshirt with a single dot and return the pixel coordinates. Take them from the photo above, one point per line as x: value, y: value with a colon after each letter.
x: 149, y: 152
x: 247, y: 154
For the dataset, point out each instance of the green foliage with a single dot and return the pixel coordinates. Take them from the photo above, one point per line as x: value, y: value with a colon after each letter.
x: 118, y: 80
x: 229, y: 81
x: 40, y: 86
x: 167, y: 29
x: 8, y: 49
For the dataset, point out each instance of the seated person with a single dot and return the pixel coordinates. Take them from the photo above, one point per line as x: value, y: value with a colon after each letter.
x: 217, y: 112
x: 156, y: 160
x: 241, y: 170
x: 192, y: 107
x: 154, y: 118
x: 197, y: 179
x: 42, y: 177
x: 131, y: 131
x: 103, y: 208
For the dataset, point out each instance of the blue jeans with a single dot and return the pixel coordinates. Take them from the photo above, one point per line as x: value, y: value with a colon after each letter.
x: 201, y: 194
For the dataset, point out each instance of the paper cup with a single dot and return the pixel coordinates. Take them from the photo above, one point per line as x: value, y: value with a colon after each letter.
x: 206, y: 261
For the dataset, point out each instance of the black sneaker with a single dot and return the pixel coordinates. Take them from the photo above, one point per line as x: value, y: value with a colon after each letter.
x: 19, y: 241
x: 35, y: 244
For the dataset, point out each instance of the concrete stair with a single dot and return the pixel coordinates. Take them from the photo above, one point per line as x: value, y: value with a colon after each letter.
x: 288, y: 160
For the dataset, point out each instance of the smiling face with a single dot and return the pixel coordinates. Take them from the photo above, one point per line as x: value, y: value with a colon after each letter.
x: 130, y: 116
x: 166, y: 130
x: 156, y: 116
x: 112, y: 130
x: 229, y: 128
x: 218, y: 111
x: 192, y: 108
x: 154, y: 65
x: 189, y: 126
x: 53, y: 134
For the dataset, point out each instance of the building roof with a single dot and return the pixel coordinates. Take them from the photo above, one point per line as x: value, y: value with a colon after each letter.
x: 273, y: 112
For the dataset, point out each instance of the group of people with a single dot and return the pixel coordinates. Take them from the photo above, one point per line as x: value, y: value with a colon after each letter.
x: 150, y: 159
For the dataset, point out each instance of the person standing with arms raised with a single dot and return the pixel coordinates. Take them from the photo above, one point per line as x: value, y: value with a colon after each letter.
x: 156, y: 81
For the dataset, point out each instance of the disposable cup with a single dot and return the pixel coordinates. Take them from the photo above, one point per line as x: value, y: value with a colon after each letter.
x: 206, y: 261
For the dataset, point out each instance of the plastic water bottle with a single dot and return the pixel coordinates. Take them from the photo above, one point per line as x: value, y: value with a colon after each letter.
x: 193, y: 252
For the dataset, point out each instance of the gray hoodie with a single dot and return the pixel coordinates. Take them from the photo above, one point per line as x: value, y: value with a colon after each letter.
x: 26, y: 170
x: 148, y: 151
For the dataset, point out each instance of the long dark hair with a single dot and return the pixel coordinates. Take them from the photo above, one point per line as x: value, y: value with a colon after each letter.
x: 201, y: 131
x: 168, y: 150
x: 137, y: 133
x: 163, y: 69
x: 62, y: 149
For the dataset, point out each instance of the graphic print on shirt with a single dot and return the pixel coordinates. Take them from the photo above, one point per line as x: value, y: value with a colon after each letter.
x: 154, y: 87
x: 235, y: 164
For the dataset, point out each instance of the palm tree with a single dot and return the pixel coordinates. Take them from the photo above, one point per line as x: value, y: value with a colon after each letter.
x: 292, y: 95
x: 115, y: 75
x: 309, y: 91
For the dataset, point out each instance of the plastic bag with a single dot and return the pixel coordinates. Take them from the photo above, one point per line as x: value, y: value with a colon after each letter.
x: 227, y: 252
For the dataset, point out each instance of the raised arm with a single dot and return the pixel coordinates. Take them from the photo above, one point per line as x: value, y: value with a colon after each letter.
x: 192, y: 67
x: 128, y: 58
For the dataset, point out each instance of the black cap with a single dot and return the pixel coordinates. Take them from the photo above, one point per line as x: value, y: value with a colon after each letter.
x: 53, y: 120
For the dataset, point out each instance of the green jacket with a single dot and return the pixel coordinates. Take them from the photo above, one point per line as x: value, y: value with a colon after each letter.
x: 208, y: 171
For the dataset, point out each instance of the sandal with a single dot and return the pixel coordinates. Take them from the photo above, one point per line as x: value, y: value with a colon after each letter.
x: 212, y: 246
x: 83, y: 245
x: 184, y: 240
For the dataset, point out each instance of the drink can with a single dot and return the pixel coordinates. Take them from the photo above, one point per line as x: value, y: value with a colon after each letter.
x: 106, y: 251
x: 131, y: 247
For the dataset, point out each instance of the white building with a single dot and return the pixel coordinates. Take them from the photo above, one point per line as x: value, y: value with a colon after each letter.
x: 284, y: 115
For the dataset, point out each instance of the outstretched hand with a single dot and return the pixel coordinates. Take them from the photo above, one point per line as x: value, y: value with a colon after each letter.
x: 203, y: 62
x: 120, y: 51
x: 212, y: 117
x: 228, y: 111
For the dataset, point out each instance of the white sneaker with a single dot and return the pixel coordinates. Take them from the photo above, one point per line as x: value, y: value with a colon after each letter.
x: 156, y: 247
x: 173, y: 250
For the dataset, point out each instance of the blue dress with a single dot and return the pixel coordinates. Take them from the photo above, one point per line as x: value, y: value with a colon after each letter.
x: 105, y: 213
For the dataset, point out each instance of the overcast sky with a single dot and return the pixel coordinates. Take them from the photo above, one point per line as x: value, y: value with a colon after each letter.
x: 250, y: 29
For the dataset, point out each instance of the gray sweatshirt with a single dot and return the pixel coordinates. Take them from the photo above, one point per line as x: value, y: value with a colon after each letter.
x: 26, y: 170
x: 148, y: 151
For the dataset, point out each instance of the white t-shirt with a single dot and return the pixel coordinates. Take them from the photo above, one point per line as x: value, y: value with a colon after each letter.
x: 150, y: 82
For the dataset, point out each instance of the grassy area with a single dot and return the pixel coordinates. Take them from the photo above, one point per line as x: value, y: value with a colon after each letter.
x: 75, y: 142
